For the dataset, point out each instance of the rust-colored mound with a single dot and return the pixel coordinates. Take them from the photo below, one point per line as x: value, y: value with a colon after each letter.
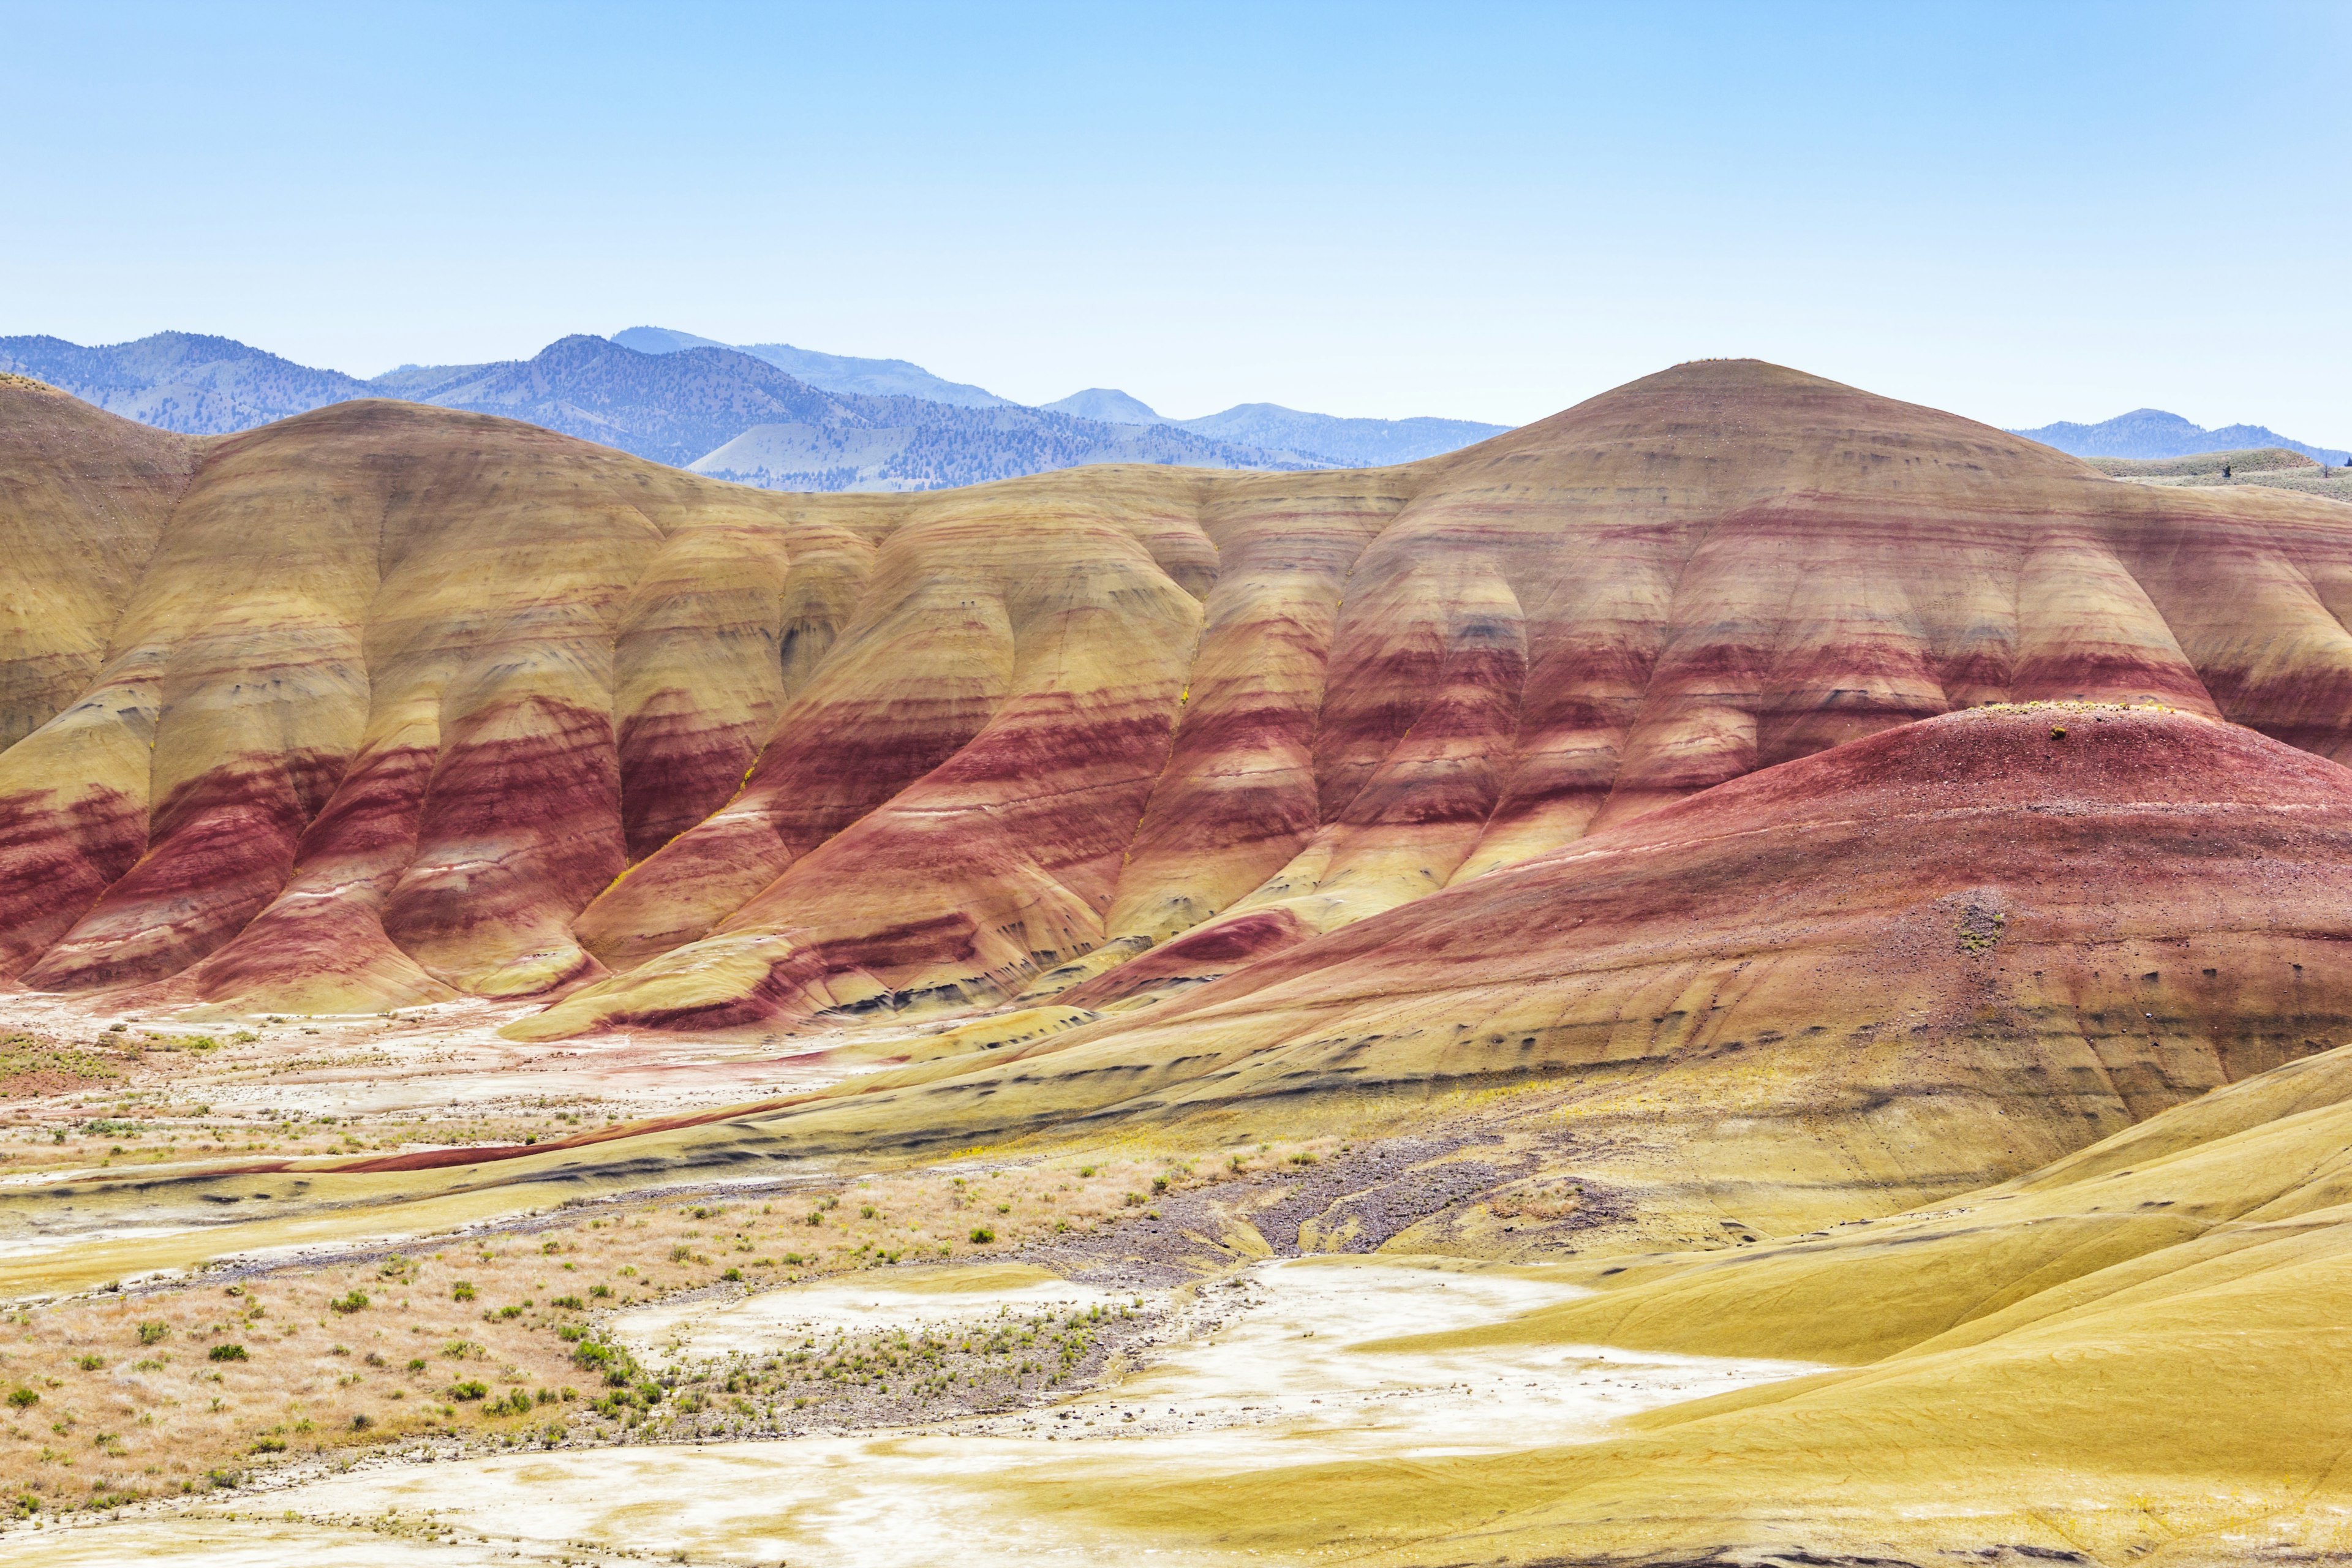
x: 2002, y: 873
x: 1966, y: 945
x: 439, y: 703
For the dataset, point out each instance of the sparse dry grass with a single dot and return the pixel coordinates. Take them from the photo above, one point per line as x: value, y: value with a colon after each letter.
x: 133, y: 1096
x: 2268, y: 468
x: 2245, y: 460
x: 481, y: 1336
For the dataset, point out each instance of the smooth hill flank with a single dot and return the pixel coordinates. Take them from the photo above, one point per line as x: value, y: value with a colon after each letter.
x: 2135, y: 1355
x: 441, y: 705
x: 1869, y: 976
x: 84, y: 498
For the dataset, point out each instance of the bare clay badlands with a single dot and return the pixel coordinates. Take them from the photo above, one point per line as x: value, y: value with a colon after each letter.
x: 1826, y: 883
x: 385, y: 704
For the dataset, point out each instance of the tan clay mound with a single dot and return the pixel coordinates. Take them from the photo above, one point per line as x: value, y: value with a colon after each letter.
x: 385, y: 704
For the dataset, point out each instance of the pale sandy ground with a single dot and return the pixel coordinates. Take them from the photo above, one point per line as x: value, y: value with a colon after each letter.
x: 783, y: 1321
x: 448, y: 1057
x: 1278, y: 1377
x: 439, y: 1068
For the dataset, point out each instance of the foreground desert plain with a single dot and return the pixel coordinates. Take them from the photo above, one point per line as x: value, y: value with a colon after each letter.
x: 1745, y: 973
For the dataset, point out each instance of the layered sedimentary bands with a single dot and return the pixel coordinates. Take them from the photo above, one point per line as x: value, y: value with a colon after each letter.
x: 1664, y: 841
x: 1874, y: 977
x: 386, y: 704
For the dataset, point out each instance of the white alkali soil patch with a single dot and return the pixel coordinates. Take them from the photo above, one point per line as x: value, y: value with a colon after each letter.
x: 1267, y: 1367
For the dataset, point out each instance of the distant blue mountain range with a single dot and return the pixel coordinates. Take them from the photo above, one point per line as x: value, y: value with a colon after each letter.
x: 2153, y: 433
x: 1313, y: 440
x: 834, y: 373
x: 768, y: 414
x: 715, y: 410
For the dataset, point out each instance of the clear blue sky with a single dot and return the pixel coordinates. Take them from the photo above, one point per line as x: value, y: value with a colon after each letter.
x: 2019, y: 212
